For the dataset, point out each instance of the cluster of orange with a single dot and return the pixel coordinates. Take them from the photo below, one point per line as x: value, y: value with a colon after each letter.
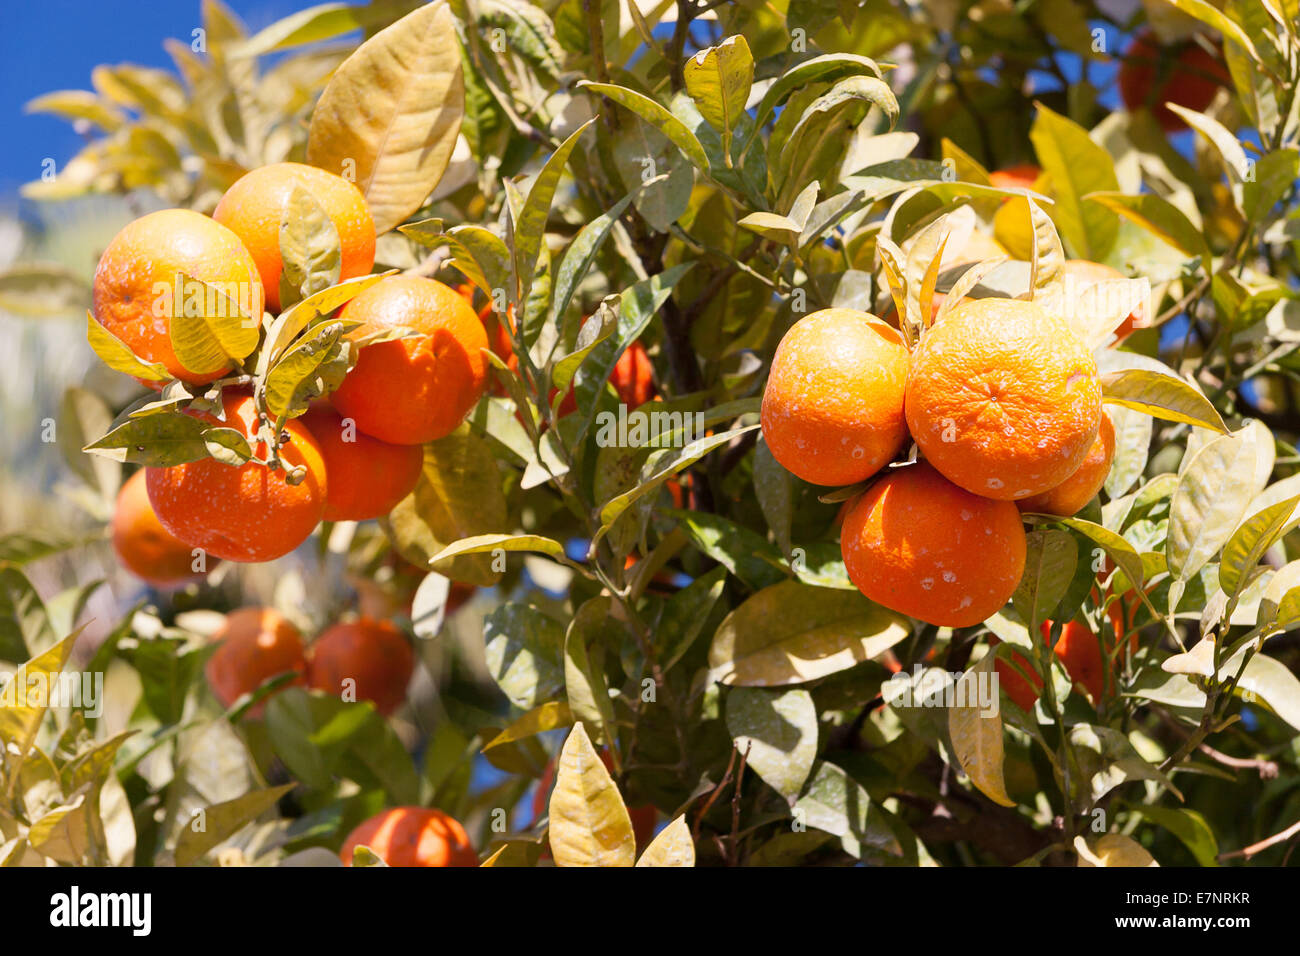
x: 256, y: 644
x: 360, y: 451
x: 1003, y: 401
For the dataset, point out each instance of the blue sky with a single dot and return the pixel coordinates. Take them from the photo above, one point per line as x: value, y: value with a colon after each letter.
x: 53, y: 44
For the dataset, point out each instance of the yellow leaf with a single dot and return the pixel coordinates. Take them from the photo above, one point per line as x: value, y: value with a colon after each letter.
x: 25, y: 699
x: 672, y: 847
x: 543, y: 717
x: 977, y: 734
x: 1114, y: 849
x: 589, y: 825
x: 390, y: 115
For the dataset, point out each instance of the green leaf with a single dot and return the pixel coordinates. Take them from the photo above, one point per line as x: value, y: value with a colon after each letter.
x: 1161, y: 396
x: 311, y: 368
x: 1246, y: 547
x: 1158, y: 216
x: 1077, y: 167
x: 742, y: 551
x: 790, y: 633
x: 1051, y: 557
x: 839, y: 805
x: 662, y: 466
x: 524, y: 650
x: 657, y: 116
x: 530, y: 227
x: 718, y: 79
x: 778, y: 732
x: 310, y: 251
x: 827, y: 68
x: 216, y: 824
x: 1272, y: 682
x: 167, y: 438
x: 774, y: 489
x: 459, y: 494
x: 1190, y: 827
x: 1212, y: 495
x: 584, y: 684
x: 1107, y: 759
x: 1212, y: 17
x: 578, y: 257
x: 1275, y: 173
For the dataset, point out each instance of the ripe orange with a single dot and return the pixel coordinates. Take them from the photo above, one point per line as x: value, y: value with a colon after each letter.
x: 1071, y: 495
x: 833, y: 406
x: 643, y: 818
x: 1151, y: 75
x: 256, y: 644
x: 920, y: 545
x: 366, y: 477
x: 143, y: 545
x: 1080, y: 652
x: 372, y: 654
x: 414, y: 390
x: 412, y: 836
x: 244, y: 513
x: 1022, y: 176
x: 255, y: 205
x: 138, y: 274
x: 1003, y: 398
x: 1081, y: 273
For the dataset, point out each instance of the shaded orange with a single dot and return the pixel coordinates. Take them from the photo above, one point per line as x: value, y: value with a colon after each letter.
x: 246, y: 512
x: 255, y: 205
x: 366, y: 477
x: 1071, y: 495
x: 414, y: 390
x: 1080, y: 652
x: 1021, y: 176
x: 143, y: 545
x: 1185, y: 73
x: 412, y: 836
x: 255, y: 644
x: 137, y: 276
x: 373, y: 655
x: 833, y: 406
x: 920, y: 545
x: 1003, y: 398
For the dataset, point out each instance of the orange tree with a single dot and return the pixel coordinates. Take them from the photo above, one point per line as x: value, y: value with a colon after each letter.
x: 655, y: 607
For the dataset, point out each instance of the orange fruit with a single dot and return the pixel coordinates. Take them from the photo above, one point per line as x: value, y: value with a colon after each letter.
x: 256, y: 204
x: 366, y: 477
x: 1022, y: 176
x: 1080, y: 274
x: 833, y: 406
x: 1071, y: 495
x: 920, y: 545
x: 412, y: 836
x: 138, y: 274
x: 1003, y: 398
x: 246, y: 512
x: 1080, y: 652
x: 1151, y: 75
x: 143, y: 545
x: 414, y: 390
x: 372, y: 654
x: 643, y: 818
x: 255, y: 644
